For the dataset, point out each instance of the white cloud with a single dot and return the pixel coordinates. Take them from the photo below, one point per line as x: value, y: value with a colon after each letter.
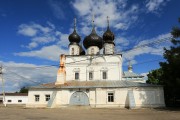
x: 64, y: 42
x: 46, y: 52
x: 145, y: 75
x: 41, y: 35
x: 155, y: 5
x: 32, y: 45
x: 27, y: 30
x: 57, y: 9
x: 17, y: 75
x: 121, y: 16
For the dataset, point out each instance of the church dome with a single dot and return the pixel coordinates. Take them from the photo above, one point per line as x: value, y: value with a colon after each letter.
x: 74, y: 37
x: 93, y: 40
x: 108, y: 36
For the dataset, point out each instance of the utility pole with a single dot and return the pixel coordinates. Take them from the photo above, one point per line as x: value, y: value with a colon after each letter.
x: 1, y: 73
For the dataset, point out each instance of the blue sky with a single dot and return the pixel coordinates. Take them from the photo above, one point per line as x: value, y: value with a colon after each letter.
x: 33, y: 33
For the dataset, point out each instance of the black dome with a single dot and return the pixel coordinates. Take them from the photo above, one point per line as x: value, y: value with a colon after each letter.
x: 108, y: 36
x: 74, y: 37
x: 93, y: 40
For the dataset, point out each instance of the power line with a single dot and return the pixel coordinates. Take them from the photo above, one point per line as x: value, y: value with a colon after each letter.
x: 100, y: 55
x: 147, y: 44
x: 145, y: 62
x: 23, y: 77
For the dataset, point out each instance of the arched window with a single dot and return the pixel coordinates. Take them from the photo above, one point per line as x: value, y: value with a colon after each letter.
x: 72, y: 51
x: 92, y: 51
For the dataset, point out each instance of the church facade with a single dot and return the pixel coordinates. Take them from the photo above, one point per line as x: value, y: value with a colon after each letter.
x: 94, y: 79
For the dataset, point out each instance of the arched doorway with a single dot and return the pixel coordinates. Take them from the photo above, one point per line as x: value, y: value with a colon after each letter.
x: 79, y: 98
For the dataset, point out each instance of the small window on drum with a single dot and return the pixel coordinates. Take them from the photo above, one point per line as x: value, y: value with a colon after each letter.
x: 72, y: 51
x: 92, y: 51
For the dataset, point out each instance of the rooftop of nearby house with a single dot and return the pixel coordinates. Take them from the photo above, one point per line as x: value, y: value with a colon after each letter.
x: 15, y: 94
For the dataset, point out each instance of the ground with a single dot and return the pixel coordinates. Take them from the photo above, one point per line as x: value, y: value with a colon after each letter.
x: 19, y: 113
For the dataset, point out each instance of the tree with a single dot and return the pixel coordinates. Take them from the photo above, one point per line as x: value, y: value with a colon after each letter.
x: 169, y: 72
x: 23, y: 90
x: 171, y: 68
x: 154, y: 77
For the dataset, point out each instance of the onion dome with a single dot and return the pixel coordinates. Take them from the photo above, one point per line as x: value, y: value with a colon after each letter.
x: 74, y: 37
x: 93, y: 40
x: 108, y: 36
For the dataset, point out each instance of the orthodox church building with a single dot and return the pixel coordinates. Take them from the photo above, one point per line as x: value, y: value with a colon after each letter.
x: 89, y: 78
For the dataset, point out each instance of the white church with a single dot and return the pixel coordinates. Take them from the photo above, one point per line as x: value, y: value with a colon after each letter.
x: 89, y: 78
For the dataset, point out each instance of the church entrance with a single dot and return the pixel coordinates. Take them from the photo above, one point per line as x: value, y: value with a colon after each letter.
x: 79, y: 98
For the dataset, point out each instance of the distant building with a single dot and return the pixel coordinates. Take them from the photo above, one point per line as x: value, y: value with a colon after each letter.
x: 14, y: 98
x: 131, y: 76
x: 93, y: 79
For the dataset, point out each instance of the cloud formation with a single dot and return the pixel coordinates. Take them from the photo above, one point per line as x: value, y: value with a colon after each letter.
x: 18, y: 75
x: 121, y: 16
x: 47, y: 52
x: 155, y: 5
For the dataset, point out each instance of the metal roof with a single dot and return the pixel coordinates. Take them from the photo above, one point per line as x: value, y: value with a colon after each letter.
x: 95, y: 84
x: 131, y: 74
x: 15, y: 94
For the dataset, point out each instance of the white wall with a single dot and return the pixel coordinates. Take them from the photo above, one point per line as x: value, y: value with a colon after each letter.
x: 76, y: 49
x: 14, y: 99
x: 42, y: 102
x: 109, y: 48
x: 93, y: 50
x: 97, y: 64
x: 144, y: 97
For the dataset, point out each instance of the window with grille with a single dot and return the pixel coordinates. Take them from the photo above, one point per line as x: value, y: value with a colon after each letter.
x: 110, y: 97
x: 47, y: 97
x: 19, y: 100
x: 36, y: 98
x: 9, y: 100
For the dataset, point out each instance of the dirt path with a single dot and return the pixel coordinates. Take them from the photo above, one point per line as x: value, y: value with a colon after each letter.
x: 87, y: 114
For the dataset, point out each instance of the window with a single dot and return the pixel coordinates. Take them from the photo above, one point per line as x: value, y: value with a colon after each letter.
x: 19, y: 100
x: 36, y: 98
x: 92, y: 51
x: 90, y: 75
x: 76, y: 76
x: 9, y: 100
x: 111, y: 97
x: 47, y: 97
x: 104, y: 75
x: 72, y: 51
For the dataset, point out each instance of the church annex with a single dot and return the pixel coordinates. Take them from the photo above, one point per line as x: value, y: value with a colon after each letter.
x: 89, y: 78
